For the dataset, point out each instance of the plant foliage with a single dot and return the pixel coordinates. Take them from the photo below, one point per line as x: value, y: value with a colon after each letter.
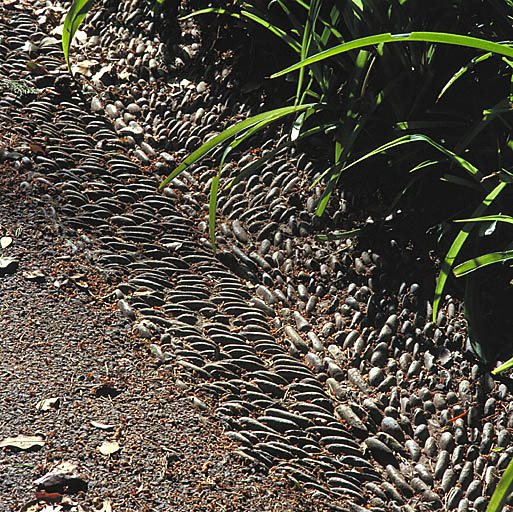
x: 74, y: 17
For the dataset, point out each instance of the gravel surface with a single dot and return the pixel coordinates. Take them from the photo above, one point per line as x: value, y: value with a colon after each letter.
x: 62, y: 344
x: 284, y: 372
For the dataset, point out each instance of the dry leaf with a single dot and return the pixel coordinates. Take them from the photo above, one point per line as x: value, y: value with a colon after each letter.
x: 34, y: 275
x: 47, y: 404
x: 47, y: 41
x: 22, y: 442
x: 37, y: 149
x: 36, y: 69
x: 102, y: 426
x: 49, y: 497
x: 62, y: 478
x: 109, y: 447
x: 107, y: 506
x: 84, y: 67
x: 5, y: 241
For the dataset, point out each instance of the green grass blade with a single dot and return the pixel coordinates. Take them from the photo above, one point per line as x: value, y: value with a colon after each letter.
x: 74, y: 17
x: 212, y: 211
x: 323, y: 202
x: 337, y: 169
x: 503, y: 367
x: 424, y: 125
x: 406, y: 139
x: 269, y: 116
x: 434, y: 37
x: 423, y: 165
x: 488, y: 116
x: 462, y: 71
x: 337, y: 235
x: 274, y: 30
x: 241, y: 138
x: 457, y: 245
x: 308, y: 36
x: 482, y: 261
x: 505, y: 176
x: 277, y: 31
x: 330, y: 25
x: 209, y: 10
x: 253, y: 167
x: 457, y: 180
x: 488, y: 218
x: 298, y: 124
x: 504, y: 488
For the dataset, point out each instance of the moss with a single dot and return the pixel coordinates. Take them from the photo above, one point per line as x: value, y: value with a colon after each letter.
x: 17, y: 87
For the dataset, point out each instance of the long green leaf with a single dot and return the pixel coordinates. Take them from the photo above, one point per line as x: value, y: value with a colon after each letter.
x: 434, y: 37
x: 462, y: 162
x: 308, y: 35
x: 241, y: 138
x: 406, y: 139
x: 482, y: 261
x: 488, y: 116
x: 462, y: 71
x: 502, y: 368
x: 463, y: 182
x: 74, y: 17
x: 212, y: 211
x: 458, y: 244
x: 232, y: 131
x: 337, y: 235
x: 504, y: 488
x: 488, y: 218
x: 277, y: 31
x: 254, y: 166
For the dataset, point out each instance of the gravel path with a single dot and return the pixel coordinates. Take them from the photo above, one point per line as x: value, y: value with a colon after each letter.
x: 74, y: 373
x: 283, y: 373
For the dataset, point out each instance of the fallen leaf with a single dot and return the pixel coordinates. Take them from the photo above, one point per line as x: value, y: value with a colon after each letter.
x: 47, y: 404
x: 63, y: 477
x: 104, y: 75
x: 23, y: 442
x: 84, y: 67
x: 36, y: 69
x: 5, y: 241
x: 47, y: 41
x: 8, y: 265
x: 109, y: 447
x: 80, y: 36
x: 49, y: 497
x: 124, y: 75
x: 29, y: 47
x: 102, y: 426
x: 31, y: 506
x: 57, y: 31
x: 37, y: 149
x: 107, y: 506
x: 34, y: 275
